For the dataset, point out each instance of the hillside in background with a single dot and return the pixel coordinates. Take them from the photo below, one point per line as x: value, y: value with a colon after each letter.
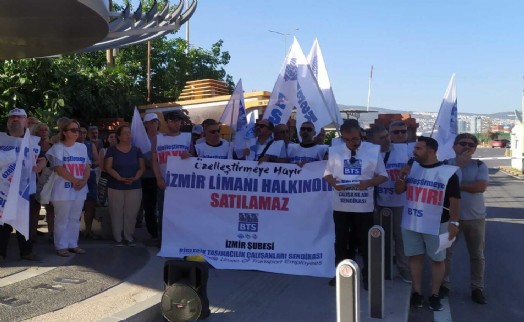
x: 500, y: 115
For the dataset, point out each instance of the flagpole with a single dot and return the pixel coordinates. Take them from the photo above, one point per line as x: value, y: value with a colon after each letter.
x: 369, y: 87
x: 231, y: 145
x: 522, y: 104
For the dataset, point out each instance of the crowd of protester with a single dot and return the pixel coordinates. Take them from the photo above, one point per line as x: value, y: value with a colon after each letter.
x: 94, y: 171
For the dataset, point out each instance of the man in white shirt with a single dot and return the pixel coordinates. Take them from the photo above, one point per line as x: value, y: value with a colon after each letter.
x: 308, y: 150
x: 214, y: 146
x: 263, y: 147
x: 16, y: 125
x: 395, y: 153
x: 353, y: 171
x: 172, y: 143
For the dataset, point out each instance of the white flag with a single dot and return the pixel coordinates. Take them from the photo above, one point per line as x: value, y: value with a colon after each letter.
x: 446, y: 125
x: 234, y: 113
x: 296, y: 86
x: 235, y: 116
x: 16, y: 210
x: 139, y: 136
x: 318, y: 67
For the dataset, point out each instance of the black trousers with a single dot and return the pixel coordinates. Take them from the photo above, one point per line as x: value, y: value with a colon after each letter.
x: 24, y: 245
x: 149, y: 195
x: 351, y: 232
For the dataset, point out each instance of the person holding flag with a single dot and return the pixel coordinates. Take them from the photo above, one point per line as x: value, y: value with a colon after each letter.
x: 10, y: 145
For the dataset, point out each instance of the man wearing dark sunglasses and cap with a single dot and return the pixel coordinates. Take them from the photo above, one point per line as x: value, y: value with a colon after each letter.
x: 472, y: 224
x: 308, y: 150
x: 353, y: 170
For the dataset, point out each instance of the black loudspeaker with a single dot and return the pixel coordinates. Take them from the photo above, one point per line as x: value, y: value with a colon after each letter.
x: 185, y: 297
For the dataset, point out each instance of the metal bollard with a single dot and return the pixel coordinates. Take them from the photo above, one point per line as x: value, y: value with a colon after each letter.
x: 376, y: 272
x: 348, y: 291
x: 386, y: 221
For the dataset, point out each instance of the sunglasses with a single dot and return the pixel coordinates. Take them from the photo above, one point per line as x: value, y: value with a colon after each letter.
x: 72, y: 130
x: 214, y: 131
x: 308, y: 129
x: 469, y: 144
x: 400, y: 131
x: 261, y: 126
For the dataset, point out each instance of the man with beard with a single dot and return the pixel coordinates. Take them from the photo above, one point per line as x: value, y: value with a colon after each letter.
x: 426, y: 215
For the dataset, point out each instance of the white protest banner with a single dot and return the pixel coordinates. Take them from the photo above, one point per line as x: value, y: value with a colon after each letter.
x: 244, y: 215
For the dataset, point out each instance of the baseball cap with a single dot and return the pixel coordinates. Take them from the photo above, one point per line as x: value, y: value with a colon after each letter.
x: 17, y: 112
x: 197, y: 129
x: 150, y: 117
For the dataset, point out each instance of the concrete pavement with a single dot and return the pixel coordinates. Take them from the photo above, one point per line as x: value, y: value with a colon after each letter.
x: 126, y: 284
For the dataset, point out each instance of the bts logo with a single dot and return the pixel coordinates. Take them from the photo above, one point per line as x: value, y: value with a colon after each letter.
x: 248, y: 222
x: 353, y: 167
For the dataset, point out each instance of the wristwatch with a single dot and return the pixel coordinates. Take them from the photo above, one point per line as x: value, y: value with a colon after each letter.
x: 456, y: 223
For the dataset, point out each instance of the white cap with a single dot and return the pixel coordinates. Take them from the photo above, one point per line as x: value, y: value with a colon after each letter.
x: 150, y: 117
x: 17, y: 112
x: 197, y: 129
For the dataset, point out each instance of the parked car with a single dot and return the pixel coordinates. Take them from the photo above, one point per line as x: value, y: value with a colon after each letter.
x: 500, y: 144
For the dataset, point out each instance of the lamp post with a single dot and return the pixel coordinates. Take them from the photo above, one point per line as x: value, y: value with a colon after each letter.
x: 285, y: 37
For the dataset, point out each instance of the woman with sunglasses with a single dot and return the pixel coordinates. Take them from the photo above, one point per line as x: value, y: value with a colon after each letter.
x: 70, y: 161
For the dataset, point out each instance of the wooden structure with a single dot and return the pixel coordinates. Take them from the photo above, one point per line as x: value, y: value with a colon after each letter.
x: 205, y: 99
x: 204, y: 88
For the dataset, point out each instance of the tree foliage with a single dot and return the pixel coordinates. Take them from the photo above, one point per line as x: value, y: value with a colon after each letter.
x: 83, y: 86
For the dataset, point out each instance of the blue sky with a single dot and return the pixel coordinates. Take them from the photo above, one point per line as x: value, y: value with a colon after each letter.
x: 414, y: 47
